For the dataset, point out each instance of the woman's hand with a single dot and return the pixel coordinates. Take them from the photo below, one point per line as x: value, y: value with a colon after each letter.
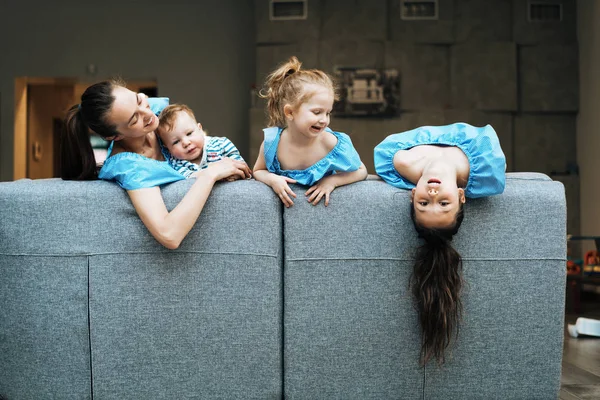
x: 227, y: 168
x: 247, y: 173
x: 322, y: 188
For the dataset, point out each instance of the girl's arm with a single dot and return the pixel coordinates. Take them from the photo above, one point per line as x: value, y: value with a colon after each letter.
x: 170, y: 228
x: 278, y: 183
x: 326, y: 185
x: 411, y: 163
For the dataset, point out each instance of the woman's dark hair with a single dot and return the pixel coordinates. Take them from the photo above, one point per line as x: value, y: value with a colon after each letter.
x: 436, y: 284
x: 77, y: 161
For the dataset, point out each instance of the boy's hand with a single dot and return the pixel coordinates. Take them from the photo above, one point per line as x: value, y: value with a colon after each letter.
x: 322, y: 188
x: 280, y: 186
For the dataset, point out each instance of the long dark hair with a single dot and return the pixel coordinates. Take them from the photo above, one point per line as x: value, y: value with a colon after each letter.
x: 437, y: 284
x: 77, y: 161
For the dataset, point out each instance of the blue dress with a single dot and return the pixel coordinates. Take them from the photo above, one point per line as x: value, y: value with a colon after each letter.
x: 134, y: 171
x: 487, y: 163
x: 342, y: 158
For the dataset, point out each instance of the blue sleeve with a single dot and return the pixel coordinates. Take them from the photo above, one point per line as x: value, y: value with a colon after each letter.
x: 383, y: 158
x: 270, y: 148
x: 157, y: 104
x: 132, y: 171
x: 348, y: 159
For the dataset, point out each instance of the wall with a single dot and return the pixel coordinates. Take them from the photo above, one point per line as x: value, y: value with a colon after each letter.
x: 481, y: 62
x: 588, y: 120
x: 200, y: 52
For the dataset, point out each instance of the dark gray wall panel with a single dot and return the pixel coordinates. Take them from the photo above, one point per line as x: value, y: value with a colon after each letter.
x: 549, y: 78
x: 425, y: 31
x: 258, y: 121
x: 269, y: 57
x: 286, y: 31
x: 359, y: 19
x: 424, y: 74
x: 544, y: 143
x: 488, y: 20
x: 350, y: 53
x: 484, y: 76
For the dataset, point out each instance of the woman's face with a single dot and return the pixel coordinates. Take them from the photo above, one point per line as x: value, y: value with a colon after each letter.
x: 131, y: 114
x: 436, y: 202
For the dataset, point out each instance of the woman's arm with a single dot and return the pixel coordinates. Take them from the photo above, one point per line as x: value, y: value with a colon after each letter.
x: 278, y: 183
x: 170, y: 228
x: 326, y: 185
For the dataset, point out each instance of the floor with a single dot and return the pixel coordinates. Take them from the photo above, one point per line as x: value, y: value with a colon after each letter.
x: 581, y: 357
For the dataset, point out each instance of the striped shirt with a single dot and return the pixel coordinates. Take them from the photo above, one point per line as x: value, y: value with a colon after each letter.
x: 215, y: 149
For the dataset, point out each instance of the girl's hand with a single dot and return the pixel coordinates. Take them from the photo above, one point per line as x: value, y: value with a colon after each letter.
x: 322, y: 188
x: 280, y: 186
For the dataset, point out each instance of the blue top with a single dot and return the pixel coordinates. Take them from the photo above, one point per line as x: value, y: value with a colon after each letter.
x: 487, y: 163
x: 134, y: 171
x: 342, y: 158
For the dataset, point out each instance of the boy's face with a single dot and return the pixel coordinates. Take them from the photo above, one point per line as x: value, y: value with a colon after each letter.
x: 186, y: 140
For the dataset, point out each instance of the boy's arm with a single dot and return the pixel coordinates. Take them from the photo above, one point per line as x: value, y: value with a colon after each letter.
x: 229, y: 150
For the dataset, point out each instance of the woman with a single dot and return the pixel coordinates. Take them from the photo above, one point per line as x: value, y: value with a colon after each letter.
x: 137, y: 159
x: 442, y: 165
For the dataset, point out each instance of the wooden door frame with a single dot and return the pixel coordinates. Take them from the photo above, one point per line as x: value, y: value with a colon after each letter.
x: 20, y: 122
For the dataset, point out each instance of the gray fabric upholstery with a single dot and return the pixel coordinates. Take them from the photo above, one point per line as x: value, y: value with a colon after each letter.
x: 203, y: 321
x: 262, y: 302
x: 44, y: 340
x: 351, y: 330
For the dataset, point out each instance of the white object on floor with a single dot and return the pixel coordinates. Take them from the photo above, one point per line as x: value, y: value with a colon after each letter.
x: 584, y: 326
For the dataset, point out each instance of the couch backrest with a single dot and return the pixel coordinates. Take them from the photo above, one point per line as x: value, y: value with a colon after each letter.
x: 91, y: 303
x: 351, y: 330
x: 262, y: 301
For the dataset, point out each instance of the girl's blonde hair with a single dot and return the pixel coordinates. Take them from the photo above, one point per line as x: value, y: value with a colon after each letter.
x: 288, y: 85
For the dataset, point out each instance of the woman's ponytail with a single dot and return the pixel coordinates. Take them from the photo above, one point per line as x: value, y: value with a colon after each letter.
x: 77, y: 161
x: 437, y: 285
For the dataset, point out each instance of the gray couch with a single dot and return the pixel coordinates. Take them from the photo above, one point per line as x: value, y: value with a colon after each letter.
x: 263, y: 302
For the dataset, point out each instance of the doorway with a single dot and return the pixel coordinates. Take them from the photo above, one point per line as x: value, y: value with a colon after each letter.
x: 40, y: 106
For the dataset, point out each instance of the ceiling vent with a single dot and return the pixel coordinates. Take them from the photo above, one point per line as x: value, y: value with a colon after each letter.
x: 419, y: 9
x: 540, y: 11
x: 282, y: 10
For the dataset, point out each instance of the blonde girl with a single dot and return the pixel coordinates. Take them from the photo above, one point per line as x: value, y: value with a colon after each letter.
x: 298, y: 145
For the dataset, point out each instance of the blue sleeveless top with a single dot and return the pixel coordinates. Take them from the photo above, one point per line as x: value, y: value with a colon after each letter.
x: 342, y: 158
x: 133, y: 171
x: 487, y: 163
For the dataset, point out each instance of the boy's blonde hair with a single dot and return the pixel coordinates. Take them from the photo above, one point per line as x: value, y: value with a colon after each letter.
x: 287, y: 85
x: 169, y: 113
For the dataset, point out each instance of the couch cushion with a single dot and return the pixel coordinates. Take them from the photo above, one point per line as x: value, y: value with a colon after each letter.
x: 350, y: 328
x: 204, y: 319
